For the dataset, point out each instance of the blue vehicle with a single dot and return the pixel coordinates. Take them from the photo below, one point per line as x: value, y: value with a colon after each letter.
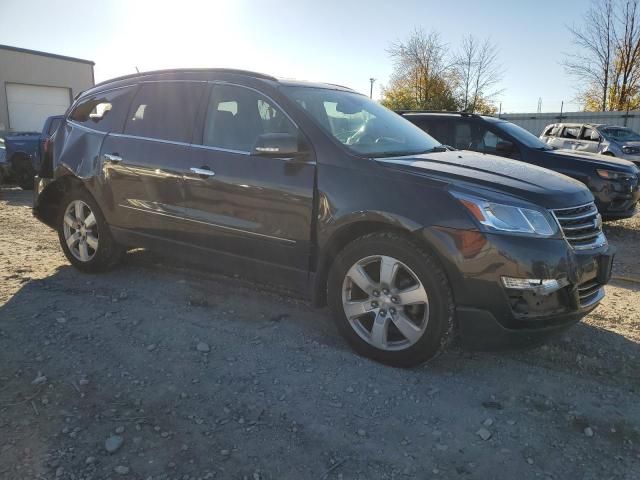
x: 23, y: 153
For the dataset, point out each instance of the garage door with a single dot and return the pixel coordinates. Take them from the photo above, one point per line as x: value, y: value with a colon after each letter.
x: 29, y: 105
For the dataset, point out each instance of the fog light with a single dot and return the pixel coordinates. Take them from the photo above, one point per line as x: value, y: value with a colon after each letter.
x: 537, y: 285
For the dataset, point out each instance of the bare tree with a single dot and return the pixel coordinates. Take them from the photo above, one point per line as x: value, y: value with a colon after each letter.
x: 608, y: 60
x: 596, y: 40
x: 421, y: 64
x: 465, y: 66
x: 478, y: 72
x: 627, y: 59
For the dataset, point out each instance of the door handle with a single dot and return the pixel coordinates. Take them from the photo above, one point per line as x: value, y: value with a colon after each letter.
x: 202, y: 172
x: 112, y: 158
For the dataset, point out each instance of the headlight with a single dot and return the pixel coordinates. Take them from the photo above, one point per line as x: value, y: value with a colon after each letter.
x: 631, y: 150
x: 509, y: 218
x: 613, y: 175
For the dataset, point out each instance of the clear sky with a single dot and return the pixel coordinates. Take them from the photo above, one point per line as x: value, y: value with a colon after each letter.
x: 342, y: 42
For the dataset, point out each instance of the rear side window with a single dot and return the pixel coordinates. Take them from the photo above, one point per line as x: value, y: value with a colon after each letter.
x: 551, y: 131
x: 165, y: 110
x: 104, y: 111
x: 236, y: 116
x: 462, y: 138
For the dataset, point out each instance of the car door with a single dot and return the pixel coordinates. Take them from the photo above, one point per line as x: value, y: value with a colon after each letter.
x: 249, y: 205
x: 144, y: 164
x: 569, y: 137
x: 587, y: 140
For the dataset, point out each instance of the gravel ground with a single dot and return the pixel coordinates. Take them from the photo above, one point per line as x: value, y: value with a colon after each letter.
x: 156, y: 371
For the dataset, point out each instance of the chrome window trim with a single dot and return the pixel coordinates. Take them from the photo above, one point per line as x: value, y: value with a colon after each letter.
x: 151, y: 139
x: 220, y: 149
x: 172, y: 81
x: 83, y: 127
x: 223, y: 227
x: 222, y: 82
x: 90, y: 94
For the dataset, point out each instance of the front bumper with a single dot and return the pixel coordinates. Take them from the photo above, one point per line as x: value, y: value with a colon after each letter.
x: 617, y: 199
x: 490, y: 316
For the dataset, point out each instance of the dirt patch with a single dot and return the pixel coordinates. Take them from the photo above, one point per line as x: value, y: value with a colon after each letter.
x: 207, y: 376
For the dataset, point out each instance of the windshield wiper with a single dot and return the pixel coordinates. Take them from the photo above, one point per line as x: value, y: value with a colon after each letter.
x: 398, y: 153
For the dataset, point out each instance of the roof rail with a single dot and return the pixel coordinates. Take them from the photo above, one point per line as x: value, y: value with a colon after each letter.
x: 190, y: 70
x: 464, y: 114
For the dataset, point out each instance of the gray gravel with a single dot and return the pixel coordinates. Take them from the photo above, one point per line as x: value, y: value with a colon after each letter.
x: 278, y: 394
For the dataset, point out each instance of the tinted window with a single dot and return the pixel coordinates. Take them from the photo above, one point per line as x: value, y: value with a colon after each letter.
x: 475, y: 136
x: 105, y: 111
x: 165, y: 110
x: 462, y: 138
x: 53, y: 125
x: 551, y: 131
x: 438, y: 128
x: 521, y: 135
x: 236, y: 116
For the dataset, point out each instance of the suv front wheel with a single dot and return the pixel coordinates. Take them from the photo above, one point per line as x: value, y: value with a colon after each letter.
x: 84, y: 234
x: 391, y: 299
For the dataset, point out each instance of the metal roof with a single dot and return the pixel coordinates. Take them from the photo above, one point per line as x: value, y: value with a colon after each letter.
x: 45, y: 54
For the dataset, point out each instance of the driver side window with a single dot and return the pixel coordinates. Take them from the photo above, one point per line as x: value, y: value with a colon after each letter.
x: 237, y: 116
x: 490, y: 142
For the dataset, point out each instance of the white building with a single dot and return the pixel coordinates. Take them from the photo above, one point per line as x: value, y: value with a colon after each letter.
x: 35, y: 85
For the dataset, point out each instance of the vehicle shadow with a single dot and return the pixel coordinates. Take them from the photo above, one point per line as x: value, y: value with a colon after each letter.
x: 15, y: 196
x: 159, y: 285
x: 626, y: 230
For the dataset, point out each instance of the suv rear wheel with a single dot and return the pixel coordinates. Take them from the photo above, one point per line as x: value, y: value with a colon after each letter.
x: 84, y: 234
x: 391, y: 299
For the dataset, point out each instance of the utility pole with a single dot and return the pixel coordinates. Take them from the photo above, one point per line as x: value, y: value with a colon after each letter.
x: 500, y: 111
x: 371, y: 89
x: 539, y: 104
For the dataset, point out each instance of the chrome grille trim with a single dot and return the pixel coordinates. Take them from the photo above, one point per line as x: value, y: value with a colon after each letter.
x: 581, y: 226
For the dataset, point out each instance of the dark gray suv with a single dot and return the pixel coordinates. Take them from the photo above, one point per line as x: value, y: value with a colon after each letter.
x: 318, y: 188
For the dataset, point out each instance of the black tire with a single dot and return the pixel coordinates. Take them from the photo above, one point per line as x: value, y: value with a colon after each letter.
x: 439, y: 328
x: 108, y: 252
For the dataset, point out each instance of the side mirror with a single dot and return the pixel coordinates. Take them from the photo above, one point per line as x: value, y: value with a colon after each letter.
x: 276, y: 145
x: 505, y: 147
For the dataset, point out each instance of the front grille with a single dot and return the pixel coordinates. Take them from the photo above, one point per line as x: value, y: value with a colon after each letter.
x: 589, y: 292
x: 581, y: 226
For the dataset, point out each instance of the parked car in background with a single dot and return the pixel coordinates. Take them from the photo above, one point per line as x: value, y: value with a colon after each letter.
x: 4, y: 166
x: 621, y: 142
x: 615, y: 183
x: 321, y: 189
x: 23, y: 152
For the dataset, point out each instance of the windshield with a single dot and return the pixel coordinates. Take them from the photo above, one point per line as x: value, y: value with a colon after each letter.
x: 523, y: 136
x: 360, y: 124
x: 620, y: 134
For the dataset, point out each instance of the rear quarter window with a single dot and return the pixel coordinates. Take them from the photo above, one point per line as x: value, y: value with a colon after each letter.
x: 104, y: 111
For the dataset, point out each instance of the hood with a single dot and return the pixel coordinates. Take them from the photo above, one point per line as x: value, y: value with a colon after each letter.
x: 630, y: 143
x: 597, y: 160
x: 466, y: 169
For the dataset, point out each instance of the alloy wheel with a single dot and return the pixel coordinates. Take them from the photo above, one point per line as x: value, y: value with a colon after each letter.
x: 385, y: 302
x: 81, y: 230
